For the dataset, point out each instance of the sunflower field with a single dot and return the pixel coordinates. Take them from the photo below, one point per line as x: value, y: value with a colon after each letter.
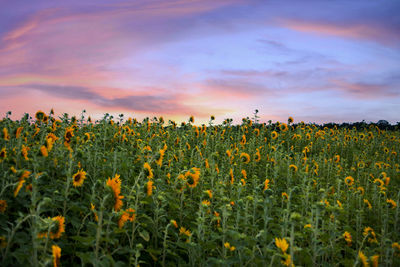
x: 120, y: 192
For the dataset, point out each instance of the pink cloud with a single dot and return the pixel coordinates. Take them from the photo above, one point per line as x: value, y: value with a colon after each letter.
x: 365, y: 31
x: 366, y: 90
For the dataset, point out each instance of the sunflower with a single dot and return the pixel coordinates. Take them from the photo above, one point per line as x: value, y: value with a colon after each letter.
x: 349, y: 180
x: 39, y: 115
x: 374, y: 260
x: 231, y: 175
x: 336, y: 158
x: 287, y: 261
x: 56, y: 229
x: 206, y: 202
x: 363, y: 258
x: 396, y: 248
x: 3, y: 154
x: 257, y: 131
x: 3, y: 242
x: 361, y: 190
x: 282, y: 244
x: 209, y: 193
x: 206, y: 164
x: 290, y: 120
x: 3, y: 205
x: 24, y: 175
x: 43, y: 151
x: 45, y: 118
x: 56, y: 255
x: 115, y: 185
x: 150, y: 187
x: 294, y: 167
x: 361, y: 165
x: 184, y: 231
x: 174, y: 223
x: 69, y: 133
x: 6, y: 136
x: 285, y: 195
x: 369, y: 231
x: 381, y: 183
x: 216, y: 168
x: 244, y: 174
x: 192, y: 177
x: 347, y: 237
x: 283, y: 127
x: 243, y: 141
x: 392, y: 203
x: 367, y: 202
x: 161, y: 155
x: 93, y: 208
x: 24, y: 152
x: 266, y: 184
x: 50, y: 140
x: 148, y: 170
x: 245, y: 157
x: 60, y: 227
x: 274, y: 135
x: 257, y: 156
x: 78, y: 178
x: 128, y: 215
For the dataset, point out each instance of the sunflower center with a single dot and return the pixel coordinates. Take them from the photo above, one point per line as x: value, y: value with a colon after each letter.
x: 77, y: 177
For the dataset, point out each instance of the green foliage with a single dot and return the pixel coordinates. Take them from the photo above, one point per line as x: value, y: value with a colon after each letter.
x: 296, y: 187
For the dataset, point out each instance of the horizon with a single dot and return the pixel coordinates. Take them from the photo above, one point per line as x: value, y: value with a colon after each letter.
x: 215, y: 121
x: 318, y: 62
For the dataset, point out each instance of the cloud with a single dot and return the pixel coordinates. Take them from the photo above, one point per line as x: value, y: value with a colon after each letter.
x: 254, y: 73
x: 140, y: 103
x: 366, y: 90
x: 357, y: 31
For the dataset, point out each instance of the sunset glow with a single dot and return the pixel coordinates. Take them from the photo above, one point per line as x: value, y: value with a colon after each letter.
x: 319, y: 61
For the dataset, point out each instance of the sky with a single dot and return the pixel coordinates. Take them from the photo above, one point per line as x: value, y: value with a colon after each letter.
x: 317, y: 61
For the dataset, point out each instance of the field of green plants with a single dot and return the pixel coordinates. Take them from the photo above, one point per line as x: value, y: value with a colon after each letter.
x: 120, y: 192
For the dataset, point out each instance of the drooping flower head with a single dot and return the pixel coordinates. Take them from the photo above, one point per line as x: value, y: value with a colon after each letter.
x: 282, y: 244
x: 266, y: 184
x: 57, y: 228
x: 56, y: 255
x: 148, y: 170
x: 245, y: 157
x: 150, y: 188
x: 115, y: 185
x: 43, y: 151
x: 128, y: 215
x: 293, y: 167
